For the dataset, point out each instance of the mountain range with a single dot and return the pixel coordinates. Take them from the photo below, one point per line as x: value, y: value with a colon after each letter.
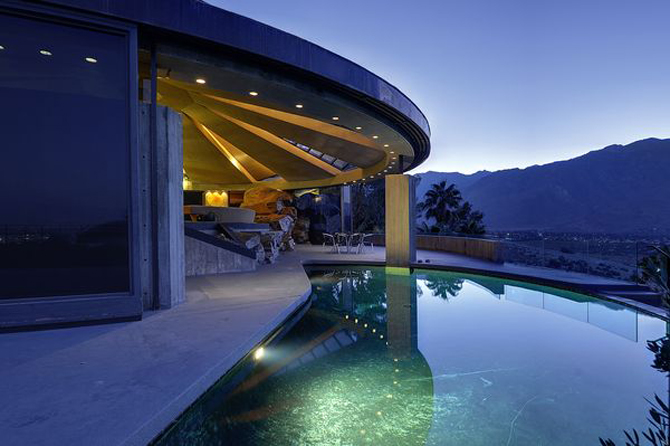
x: 617, y: 189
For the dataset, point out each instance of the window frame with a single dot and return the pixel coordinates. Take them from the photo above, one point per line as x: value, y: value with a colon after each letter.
x: 73, y: 309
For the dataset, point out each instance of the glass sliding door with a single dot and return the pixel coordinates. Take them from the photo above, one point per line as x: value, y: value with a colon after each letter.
x: 66, y: 126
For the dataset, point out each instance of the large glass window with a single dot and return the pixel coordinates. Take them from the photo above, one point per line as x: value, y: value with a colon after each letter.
x: 64, y: 183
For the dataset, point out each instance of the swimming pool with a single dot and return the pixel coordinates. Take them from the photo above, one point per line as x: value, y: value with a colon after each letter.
x: 400, y: 357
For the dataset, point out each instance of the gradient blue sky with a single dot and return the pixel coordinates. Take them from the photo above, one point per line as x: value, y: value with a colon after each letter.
x: 504, y: 83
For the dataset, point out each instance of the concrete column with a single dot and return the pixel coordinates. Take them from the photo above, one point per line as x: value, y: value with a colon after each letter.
x: 400, y: 220
x: 162, y: 240
x: 170, y: 208
x: 345, y: 209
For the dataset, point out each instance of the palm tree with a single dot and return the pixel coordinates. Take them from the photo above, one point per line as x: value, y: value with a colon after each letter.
x: 444, y: 287
x: 469, y: 221
x: 440, y: 203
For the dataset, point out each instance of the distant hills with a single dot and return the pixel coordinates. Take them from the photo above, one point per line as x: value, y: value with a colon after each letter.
x: 618, y: 189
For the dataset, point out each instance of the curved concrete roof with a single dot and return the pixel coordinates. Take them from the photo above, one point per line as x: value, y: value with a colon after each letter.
x: 197, y: 19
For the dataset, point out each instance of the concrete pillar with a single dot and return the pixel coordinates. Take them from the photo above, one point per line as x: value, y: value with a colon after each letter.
x: 400, y: 220
x: 345, y: 209
x: 170, y: 208
x: 162, y: 240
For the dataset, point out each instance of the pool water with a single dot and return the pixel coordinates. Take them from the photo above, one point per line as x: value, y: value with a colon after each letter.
x: 400, y: 357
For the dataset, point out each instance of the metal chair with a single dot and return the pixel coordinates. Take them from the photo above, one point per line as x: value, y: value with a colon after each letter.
x: 356, y: 241
x: 330, y: 238
x: 342, y: 240
x: 363, y: 242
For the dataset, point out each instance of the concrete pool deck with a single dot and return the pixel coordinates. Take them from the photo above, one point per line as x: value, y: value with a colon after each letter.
x: 122, y: 384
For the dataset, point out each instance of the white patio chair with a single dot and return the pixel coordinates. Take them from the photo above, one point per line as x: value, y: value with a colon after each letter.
x: 343, y: 241
x: 332, y: 239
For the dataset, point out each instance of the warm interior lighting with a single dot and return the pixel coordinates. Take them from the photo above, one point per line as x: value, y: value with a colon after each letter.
x: 259, y: 353
x: 91, y: 59
x: 200, y: 81
x: 216, y: 198
x: 391, y: 151
x: 46, y: 53
x: 298, y: 105
x: 253, y: 93
x: 375, y: 136
x: 386, y: 145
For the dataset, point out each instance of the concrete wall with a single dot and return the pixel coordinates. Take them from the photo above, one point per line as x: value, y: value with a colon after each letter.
x: 202, y: 258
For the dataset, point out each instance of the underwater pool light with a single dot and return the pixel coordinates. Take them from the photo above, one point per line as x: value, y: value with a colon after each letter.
x: 259, y: 353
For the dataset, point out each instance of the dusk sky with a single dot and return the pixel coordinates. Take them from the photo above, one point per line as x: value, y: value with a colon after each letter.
x: 504, y: 83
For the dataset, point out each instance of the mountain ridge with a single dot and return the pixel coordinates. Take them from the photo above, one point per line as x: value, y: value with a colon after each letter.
x: 617, y: 189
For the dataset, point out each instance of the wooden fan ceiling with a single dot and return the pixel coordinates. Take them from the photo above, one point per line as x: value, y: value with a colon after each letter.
x: 234, y: 141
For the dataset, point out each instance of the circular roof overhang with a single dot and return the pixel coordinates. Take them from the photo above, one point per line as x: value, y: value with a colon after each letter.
x: 351, y: 126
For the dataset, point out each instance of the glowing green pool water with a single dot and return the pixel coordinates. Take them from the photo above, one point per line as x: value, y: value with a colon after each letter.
x: 437, y: 358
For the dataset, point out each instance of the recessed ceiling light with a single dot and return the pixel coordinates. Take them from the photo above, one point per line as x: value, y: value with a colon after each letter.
x: 358, y: 127
x: 371, y: 176
x: 393, y: 157
x: 298, y: 105
x: 375, y: 136
x: 391, y: 151
x: 2, y: 47
x: 91, y: 59
x: 46, y: 53
x: 201, y: 81
x: 386, y: 145
x: 336, y: 118
x: 253, y: 93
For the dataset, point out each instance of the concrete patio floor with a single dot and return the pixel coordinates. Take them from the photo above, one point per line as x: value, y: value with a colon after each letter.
x: 122, y: 384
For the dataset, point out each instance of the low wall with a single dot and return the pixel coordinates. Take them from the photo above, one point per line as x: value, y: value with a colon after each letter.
x: 478, y: 248
x: 203, y: 258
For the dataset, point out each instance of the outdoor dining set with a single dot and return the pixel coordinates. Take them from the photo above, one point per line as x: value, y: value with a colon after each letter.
x: 352, y: 243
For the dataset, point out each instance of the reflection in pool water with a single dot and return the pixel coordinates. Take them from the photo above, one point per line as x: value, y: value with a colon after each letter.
x: 389, y: 357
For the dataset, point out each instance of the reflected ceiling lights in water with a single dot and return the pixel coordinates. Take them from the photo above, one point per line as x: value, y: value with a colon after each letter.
x: 46, y: 53
x: 91, y: 60
x: 467, y: 360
